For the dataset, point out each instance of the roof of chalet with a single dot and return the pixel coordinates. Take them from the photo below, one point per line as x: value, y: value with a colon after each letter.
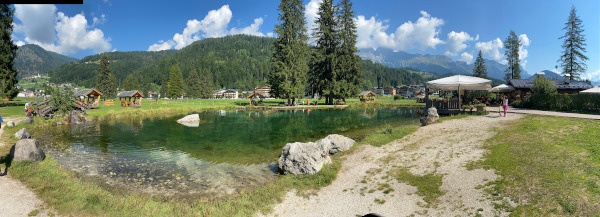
x: 560, y: 84
x: 256, y: 94
x: 131, y: 93
x: 364, y: 93
x: 87, y: 92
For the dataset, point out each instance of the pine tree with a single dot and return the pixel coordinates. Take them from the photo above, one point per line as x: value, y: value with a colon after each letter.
x: 106, y: 82
x: 131, y: 83
x: 324, y: 68
x: 164, y: 86
x: 206, y: 84
x: 573, y: 59
x: 479, y: 69
x: 175, y: 83
x: 8, y: 52
x: 511, y: 46
x: 289, y: 63
x: 194, y: 85
x: 349, y: 62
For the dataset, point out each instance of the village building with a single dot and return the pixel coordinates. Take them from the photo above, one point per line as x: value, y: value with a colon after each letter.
x: 264, y: 91
x: 231, y: 94
x: 568, y: 86
x: 389, y: 91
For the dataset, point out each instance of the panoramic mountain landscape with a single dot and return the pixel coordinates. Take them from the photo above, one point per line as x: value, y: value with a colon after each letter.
x: 32, y: 60
x: 300, y: 108
x: 439, y: 64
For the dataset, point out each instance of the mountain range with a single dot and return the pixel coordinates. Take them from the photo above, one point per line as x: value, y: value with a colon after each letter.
x: 32, y: 59
x: 438, y: 64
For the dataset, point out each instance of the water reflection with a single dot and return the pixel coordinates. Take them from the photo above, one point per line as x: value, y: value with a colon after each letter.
x: 225, y: 153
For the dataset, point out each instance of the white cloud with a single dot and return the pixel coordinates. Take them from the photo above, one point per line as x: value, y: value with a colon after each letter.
x: 58, y: 32
x: 491, y: 48
x: 249, y: 30
x: 37, y: 22
x: 467, y: 57
x: 421, y: 34
x: 456, y: 43
x: 310, y: 13
x: 525, y: 42
x: 98, y: 21
x: 213, y: 25
x: 20, y: 43
x: 270, y: 34
x: 591, y: 75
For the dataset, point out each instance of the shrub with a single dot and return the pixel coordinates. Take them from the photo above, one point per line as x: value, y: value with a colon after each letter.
x: 564, y: 102
x: 397, y: 97
x: 543, y: 85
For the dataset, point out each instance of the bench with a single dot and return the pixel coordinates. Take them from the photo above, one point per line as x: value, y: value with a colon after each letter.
x: 109, y: 103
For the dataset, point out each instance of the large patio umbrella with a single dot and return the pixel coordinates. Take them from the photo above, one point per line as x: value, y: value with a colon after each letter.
x: 460, y: 82
x: 502, y: 88
x: 595, y: 90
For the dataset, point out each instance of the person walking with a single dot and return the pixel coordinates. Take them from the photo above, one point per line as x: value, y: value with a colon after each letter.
x: 505, y: 105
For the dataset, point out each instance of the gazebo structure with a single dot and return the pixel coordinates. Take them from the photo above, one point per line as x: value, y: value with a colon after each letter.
x: 256, y: 95
x: 90, y: 98
x: 367, y: 96
x: 132, y: 98
x: 457, y: 83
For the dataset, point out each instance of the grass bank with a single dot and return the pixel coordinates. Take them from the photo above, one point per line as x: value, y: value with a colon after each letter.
x: 549, y: 166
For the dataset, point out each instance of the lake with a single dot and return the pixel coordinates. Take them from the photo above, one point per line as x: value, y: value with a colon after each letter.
x: 226, y: 153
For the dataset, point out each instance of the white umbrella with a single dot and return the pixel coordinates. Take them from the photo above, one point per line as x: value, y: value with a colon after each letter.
x: 502, y: 88
x: 595, y: 90
x: 460, y: 82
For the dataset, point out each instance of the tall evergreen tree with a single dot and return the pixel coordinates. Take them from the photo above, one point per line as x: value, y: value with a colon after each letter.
x: 194, y: 85
x: 164, y: 85
x: 573, y: 58
x: 324, y: 69
x: 8, y: 52
x: 106, y: 82
x: 176, y: 87
x: 206, y: 84
x: 511, y: 46
x: 349, y: 63
x: 479, y: 69
x: 289, y: 63
x: 131, y: 83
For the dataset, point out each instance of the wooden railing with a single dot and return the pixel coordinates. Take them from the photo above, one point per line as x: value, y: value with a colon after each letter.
x: 443, y: 104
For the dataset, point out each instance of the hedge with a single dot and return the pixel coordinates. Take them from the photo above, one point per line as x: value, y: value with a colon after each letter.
x: 589, y: 103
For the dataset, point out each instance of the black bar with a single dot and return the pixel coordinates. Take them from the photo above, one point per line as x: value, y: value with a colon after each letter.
x: 42, y: 1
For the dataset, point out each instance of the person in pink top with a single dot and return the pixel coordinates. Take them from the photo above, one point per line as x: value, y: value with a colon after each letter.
x: 505, y: 104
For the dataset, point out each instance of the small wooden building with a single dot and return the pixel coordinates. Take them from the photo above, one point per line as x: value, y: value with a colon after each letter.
x: 132, y: 98
x: 254, y: 96
x: 90, y: 98
x: 367, y: 96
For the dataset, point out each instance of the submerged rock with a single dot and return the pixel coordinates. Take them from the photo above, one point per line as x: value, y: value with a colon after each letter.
x: 192, y: 120
x: 75, y: 118
x: 27, y: 150
x: 22, y: 134
x: 432, y: 117
x: 304, y: 158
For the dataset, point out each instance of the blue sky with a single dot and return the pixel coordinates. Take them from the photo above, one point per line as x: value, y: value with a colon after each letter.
x: 457, y: 29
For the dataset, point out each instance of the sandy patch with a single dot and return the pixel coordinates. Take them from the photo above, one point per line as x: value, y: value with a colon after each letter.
x: 440, y: 149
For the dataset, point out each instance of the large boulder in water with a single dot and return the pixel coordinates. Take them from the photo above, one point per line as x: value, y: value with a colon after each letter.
x: 338, y: 143
x: 23, y: 134
x: 192, y: 120
x: 27, y: 150
x: 304, y: 158
x: 432, y: 117
x: 75, y: 118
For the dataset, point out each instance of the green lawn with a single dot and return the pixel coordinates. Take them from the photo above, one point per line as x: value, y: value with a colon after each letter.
x: 549, y: 165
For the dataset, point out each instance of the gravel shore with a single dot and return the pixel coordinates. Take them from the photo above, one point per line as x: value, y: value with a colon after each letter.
x: 443, y: 149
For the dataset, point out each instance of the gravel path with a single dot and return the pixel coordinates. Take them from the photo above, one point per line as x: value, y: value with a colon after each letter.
x: 442, y: 149
x: 16, y: 199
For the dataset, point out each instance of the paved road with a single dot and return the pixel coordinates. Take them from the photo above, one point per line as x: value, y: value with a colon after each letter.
x: 493, y: 109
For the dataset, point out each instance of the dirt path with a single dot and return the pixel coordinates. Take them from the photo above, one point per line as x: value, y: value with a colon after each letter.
x: 16, y: 199
x: 440, y: 150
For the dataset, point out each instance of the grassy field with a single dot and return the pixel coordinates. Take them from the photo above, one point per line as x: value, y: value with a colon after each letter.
x: 550, y: 166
